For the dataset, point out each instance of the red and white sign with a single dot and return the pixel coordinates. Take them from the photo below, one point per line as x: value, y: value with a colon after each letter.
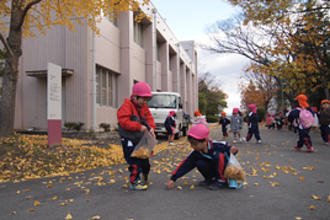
x: 54, y: 104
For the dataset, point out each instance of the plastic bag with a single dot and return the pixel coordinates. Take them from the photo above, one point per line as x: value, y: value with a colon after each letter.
x: 144, y: 148
x: 233, y: 170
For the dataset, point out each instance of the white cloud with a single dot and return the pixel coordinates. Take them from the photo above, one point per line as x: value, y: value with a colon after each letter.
x: 226, y: 68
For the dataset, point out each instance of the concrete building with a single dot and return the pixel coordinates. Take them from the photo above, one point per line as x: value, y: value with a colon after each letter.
x: 98, y: 71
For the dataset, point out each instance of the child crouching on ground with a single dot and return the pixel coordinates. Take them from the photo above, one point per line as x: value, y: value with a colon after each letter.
x: 134, y: 118
x: 208, y: 156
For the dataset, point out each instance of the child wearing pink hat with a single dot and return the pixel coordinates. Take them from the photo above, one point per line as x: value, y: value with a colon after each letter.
x: 208, y: 157
x: 134, y: 119
x: 170, y: 126
x: 236, y: 123
x: 253, y: 124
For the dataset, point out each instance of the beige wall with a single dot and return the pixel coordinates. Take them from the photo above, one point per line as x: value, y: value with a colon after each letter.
x: 113, y: 49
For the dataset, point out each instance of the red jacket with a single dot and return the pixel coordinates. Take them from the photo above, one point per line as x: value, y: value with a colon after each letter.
x: 124, y: 116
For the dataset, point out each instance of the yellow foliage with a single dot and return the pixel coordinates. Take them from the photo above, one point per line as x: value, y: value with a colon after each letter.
x: 43, y: 15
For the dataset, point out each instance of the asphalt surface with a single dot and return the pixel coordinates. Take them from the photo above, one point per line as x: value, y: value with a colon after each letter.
x: 280, y: 185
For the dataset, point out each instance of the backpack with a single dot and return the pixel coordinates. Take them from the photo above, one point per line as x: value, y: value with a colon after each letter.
x: 306, y: 118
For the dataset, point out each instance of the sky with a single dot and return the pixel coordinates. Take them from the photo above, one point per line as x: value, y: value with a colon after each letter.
x: 189, y: 20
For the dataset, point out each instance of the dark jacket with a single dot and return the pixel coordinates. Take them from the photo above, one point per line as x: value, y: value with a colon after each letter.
x: 190, y: 162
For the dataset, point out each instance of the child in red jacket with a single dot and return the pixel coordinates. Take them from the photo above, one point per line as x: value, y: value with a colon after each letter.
x: 134, y: 118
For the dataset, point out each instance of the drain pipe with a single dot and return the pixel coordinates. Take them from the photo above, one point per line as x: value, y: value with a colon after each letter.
x: 94, y: 82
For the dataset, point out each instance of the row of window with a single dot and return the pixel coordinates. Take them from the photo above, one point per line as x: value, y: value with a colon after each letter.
x: 106, y: 81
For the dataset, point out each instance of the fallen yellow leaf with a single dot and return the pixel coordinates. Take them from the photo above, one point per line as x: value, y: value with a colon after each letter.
x: 302, y: 178
x: 329, y: 198
x: 179, y: 187
x: 273, y: 184
x: 68, y: 216
x: 36, y: 203
x: 192, y: 187
x: 298, y: 218
x: 309, y: 168
x: 96, y: 217
x: 31, y: 210
x: 316, y: 197
x: 55, y: 198
x: 256, y: 184
x: 311, y: 207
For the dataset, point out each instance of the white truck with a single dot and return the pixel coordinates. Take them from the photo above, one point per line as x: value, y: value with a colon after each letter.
x: 161, y: 104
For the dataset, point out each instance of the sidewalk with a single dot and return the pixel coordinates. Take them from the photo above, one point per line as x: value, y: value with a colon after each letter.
x: 281, y: 185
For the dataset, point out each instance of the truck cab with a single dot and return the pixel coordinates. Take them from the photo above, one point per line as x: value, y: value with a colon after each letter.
x: 161, y: 104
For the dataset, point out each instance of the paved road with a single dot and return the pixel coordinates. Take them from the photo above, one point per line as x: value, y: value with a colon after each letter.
x: 284, y: 192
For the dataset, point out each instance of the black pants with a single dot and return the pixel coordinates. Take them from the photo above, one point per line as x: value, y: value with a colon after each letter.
x: 136, y: 165
x: 304, y: 138
x: 325, y: 133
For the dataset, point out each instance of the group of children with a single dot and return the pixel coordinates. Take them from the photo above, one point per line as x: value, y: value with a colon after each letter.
x: 208, y: 156
x: 134, y: 119
x: 236, y: 123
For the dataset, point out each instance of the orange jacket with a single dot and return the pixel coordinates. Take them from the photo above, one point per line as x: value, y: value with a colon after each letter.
x: 128, y: 109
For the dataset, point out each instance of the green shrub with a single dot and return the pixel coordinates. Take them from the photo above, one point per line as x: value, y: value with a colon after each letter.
x: 74, y: 125
x: 105, y: 126
x: 212, y: 118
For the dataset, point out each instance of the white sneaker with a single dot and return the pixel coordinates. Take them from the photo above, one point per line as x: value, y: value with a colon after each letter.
x: 234, y: 141
x: 259, y: 142
x: 171, y: 143
x: 243, y: 140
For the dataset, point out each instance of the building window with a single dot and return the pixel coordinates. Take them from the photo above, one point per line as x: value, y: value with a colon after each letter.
x: 105, y: 86
x: 138, y: 33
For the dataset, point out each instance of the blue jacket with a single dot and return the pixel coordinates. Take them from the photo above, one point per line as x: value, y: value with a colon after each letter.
x: 169, y: 122
x: 215, y: 148
x: 253, y: 120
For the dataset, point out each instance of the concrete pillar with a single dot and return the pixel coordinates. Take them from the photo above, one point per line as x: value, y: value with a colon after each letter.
x: 126, y: 39
x: 164, y: 60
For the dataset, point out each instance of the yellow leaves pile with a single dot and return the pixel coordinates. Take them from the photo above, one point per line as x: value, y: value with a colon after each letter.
x: 234, y: 172
x: 29, y: 157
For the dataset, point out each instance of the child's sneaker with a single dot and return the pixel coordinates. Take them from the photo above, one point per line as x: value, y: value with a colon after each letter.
x: 259, y: 142
x: 234, y: 141
x: 243, y: 140
x: 171, y: 143
x: 138, y: 185
x: 309, y: 150
x: 217, y: 185
x: 204, y: 183
x: 297, y: 148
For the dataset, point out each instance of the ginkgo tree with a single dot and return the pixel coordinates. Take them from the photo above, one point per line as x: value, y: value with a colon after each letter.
x: 24, y: 18
x: 285, y: 39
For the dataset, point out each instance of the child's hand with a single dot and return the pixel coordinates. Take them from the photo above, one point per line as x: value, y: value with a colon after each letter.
x: 233, y: 150
x: 152, y: 132
x: 170, y: 184
x: 144, y: 129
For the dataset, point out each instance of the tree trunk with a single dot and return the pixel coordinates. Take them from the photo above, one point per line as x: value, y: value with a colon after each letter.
x: 7, y: 103
x: 10, y: 75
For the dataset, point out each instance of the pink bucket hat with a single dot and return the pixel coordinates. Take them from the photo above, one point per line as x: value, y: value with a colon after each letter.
x: 235, y: 110
x: 142, y: 89
x: 253, y: 108
x: 199, y: 132
x: 172, y: 113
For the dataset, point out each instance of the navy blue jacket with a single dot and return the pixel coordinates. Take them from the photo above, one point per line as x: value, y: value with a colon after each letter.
x: 169, y: 122
x: 253, y: 120
x: 224, y: 121
x: 190, y: 162
x: 294, y: 115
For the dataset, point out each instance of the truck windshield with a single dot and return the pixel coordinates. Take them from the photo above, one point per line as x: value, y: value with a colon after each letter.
x: 162, y: 101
